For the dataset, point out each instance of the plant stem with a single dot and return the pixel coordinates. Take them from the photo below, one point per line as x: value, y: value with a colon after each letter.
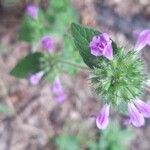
x: 73, y: 64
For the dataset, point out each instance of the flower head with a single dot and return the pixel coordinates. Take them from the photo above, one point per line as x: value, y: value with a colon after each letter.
x: 136, y: 117
x: 102, y: 119
x: 101, y: 46
x: 58, y: 91
x: 47, y: 43
x: 32, y: 11
x: 143, y: 40
x: 35, y: 78
x: 143, y: 108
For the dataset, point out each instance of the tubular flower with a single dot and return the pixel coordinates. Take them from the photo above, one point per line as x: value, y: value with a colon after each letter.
x: 60, y: 95
x: 102, y: 46
x: 47, y: 43
x: 102, y: 119
x: 32, y: 11
x: 35, y: 78
x: 136, y: 117
x: 143, y: 108
x: 143, y: 40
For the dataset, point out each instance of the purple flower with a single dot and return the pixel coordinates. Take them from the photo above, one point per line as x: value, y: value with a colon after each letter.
x: 102, y: 119
x: 101, y: 46
x: 32, y: 11
x: 60, y: 95
x: 47, y: 43
x: 35, y: 78
x: 143, y: 40
x: 143, y: 108
x: 136, y: 117
x: 61, y: 98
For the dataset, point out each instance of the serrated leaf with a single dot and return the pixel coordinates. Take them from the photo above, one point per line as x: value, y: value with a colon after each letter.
x: 27, y: 65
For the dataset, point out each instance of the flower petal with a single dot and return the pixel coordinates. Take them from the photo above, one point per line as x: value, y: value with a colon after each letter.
x: 61, y: 98
x: 57, y: 87
x: 32, y: 11
x: 108, y: 51
x: 102, y: 119
x: 58, y: 91
x: 101, y: 45
x: 143, y: 107
x: 136, y: 118
x: 35, y: 78
x: 105, y: 37
x: 143, y: 40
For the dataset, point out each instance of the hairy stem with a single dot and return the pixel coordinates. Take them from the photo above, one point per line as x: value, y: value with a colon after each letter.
x: 73, y: 64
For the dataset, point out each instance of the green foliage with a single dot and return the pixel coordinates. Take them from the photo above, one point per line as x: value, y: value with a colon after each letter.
x: 32, y: 29
x: 28, y: 65
x: 51, y: 66
x: 67, y: 142
x: 5, y: 109
x: 69, y: 53
x: 60, y: 15
x: 59, y: 5
x: 113, y: 138
x: 119, y: 80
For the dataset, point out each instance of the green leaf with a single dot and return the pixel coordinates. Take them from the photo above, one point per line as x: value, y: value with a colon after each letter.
x: 67, y: 142
x: 27, y: 65
x: 82, y: 37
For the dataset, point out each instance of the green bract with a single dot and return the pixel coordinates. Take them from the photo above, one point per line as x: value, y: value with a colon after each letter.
x: 119, y: 80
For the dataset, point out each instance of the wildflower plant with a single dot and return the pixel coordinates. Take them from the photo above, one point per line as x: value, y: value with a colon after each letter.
x: 119, y: 77
x: 49, y: 41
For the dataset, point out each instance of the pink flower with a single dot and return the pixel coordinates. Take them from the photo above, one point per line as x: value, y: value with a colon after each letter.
x: 143, y: 40
x: 143, y: 108
x: 101, y: 46
x: 35, y: 78
x: 47, y: 43
x: 32, y: 11
x: 102, y: 119
x: 136, y: 117
x: 60, y: 95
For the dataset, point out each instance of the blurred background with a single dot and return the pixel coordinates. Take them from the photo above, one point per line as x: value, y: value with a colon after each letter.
x: 30, y: 118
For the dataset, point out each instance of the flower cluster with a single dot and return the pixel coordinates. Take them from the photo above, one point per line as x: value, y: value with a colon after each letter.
x: 122, y: 81
x: 101, y: 46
